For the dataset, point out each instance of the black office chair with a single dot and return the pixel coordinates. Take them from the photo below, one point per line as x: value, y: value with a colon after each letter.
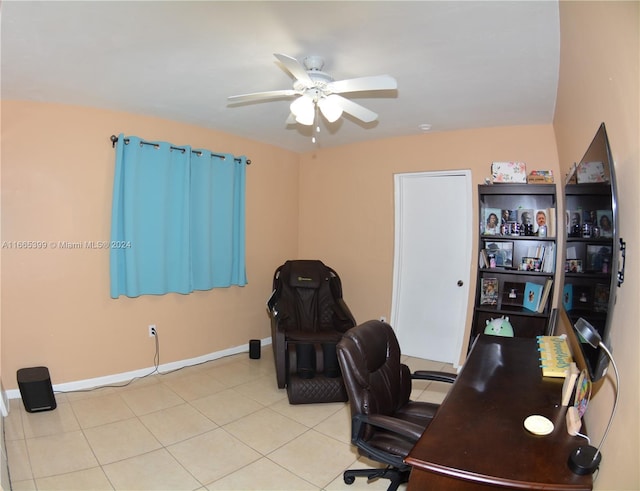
x: 308, y: 318
x: 385, y: 422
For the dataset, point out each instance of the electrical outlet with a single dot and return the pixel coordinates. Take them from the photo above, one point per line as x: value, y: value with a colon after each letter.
x: 152, y: 330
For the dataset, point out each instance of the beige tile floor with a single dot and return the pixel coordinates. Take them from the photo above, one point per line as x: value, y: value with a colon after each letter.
x: 222, y: 425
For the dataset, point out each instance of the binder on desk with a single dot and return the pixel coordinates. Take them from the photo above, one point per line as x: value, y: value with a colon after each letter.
x: 555, y: 357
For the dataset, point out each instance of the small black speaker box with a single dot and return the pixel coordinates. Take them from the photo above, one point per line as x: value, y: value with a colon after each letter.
x: 35, y: 389
x: 254, y: 349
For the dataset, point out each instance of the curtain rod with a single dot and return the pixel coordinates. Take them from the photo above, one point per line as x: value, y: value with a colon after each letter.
x: 114, y: 140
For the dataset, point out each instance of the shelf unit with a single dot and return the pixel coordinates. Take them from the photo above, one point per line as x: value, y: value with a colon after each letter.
x: 508, y: 271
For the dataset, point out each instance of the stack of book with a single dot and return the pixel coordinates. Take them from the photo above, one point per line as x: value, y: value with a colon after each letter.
x: 555, y: 357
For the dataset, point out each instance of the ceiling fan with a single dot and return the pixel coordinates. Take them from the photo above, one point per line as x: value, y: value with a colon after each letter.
x: 316, y: 90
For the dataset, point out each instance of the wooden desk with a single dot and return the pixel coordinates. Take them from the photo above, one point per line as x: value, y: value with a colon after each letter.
x: 478, y: 441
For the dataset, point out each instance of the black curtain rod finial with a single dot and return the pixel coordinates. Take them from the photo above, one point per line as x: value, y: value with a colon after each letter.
x: 114, y: 140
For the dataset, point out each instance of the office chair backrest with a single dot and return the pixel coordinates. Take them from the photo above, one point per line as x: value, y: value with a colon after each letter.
x: 376, y: 381
x: 306, y: 293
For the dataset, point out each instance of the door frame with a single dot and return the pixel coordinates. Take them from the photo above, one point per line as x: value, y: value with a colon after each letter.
x: 467, y: 227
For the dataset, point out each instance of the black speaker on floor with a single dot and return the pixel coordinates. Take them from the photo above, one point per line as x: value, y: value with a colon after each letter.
x: 254, y: 349
x: 36, y: 390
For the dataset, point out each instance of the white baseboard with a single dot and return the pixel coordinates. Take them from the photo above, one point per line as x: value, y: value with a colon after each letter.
x: 4, y: 402
x: 127, y: 376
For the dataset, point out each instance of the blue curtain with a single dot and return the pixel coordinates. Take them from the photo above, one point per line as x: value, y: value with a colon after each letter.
x: 178, y: 219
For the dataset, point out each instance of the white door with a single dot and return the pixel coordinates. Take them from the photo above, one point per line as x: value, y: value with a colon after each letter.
x: 433, y: 222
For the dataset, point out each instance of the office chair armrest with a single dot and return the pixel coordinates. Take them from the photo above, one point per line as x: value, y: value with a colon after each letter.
x: 434, y: 375
x: 399, y: 426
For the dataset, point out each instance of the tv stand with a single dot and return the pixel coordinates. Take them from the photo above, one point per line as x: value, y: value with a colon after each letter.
x: 477, y: 440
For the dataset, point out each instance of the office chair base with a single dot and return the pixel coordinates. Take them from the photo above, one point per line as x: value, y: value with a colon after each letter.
x: 396, y: 476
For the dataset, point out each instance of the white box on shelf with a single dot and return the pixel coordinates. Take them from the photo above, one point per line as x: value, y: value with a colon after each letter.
x: 591, y: 172
x: 509, y: 172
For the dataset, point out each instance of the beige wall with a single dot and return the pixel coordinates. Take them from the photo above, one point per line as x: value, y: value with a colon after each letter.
x: 56, y: 309
x: 347, y: 202
x: 599, y: 82
x: 57, y: 178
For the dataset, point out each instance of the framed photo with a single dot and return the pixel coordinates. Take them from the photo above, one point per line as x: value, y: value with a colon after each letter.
x: 532, y: 295
x: 567, y: 297
x: 530, y: 264
x: 573, y: 266
x: 525, y: 216
x: 582, y: 297
x: 502, y: 252
x: 598, y: 258
x: 512, y: 294
x: 604, y: 221
x: 491, y: 221
x: 573, y: 219
x: 489, y: 292
x: 509, y: 216
x: 601, y: 298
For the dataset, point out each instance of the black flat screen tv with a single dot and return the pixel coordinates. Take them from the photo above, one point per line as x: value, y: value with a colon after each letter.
x: 591, y: 220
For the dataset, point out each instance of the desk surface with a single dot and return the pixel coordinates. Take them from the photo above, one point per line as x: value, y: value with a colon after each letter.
x: 478, y: 437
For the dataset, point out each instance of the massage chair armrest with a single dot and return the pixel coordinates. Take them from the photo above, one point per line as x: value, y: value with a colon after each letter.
x: 401, y: 427
x: 435, y: 375
x: 271, y: 303
x: 279, y: 343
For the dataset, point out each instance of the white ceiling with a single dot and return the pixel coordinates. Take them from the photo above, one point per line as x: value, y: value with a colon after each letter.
x: 466, y: 64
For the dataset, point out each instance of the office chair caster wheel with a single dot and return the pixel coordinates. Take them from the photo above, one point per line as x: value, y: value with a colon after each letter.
x: 349, y: 479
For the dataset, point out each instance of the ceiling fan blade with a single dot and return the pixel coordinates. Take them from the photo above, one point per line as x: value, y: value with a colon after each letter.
x: 296, y: 69
x: 377, y: 82
x: 356, y: 110
x: 330, y: 108
x: 259, y: 96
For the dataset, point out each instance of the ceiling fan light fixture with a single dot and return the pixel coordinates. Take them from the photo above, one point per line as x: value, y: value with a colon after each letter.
x: 303, y: 109
x: 330, y: 109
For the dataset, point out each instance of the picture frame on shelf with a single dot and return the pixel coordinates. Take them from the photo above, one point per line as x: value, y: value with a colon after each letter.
x: 530, y: 264
x: 573, y: 266
x: 567, y: 297
x: 573, y: 219
x: 526, y: 217
x: 582, y: 297
x: 489, y: 291
x: 509, y: 216
x: 541, y: 218
x: 601, y: 298
x: 491, y: 221
x: 532, y: 296
x: 598, y: 258
x: 502, y: 252
x: 512, y: 294
x: 605, y: 221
